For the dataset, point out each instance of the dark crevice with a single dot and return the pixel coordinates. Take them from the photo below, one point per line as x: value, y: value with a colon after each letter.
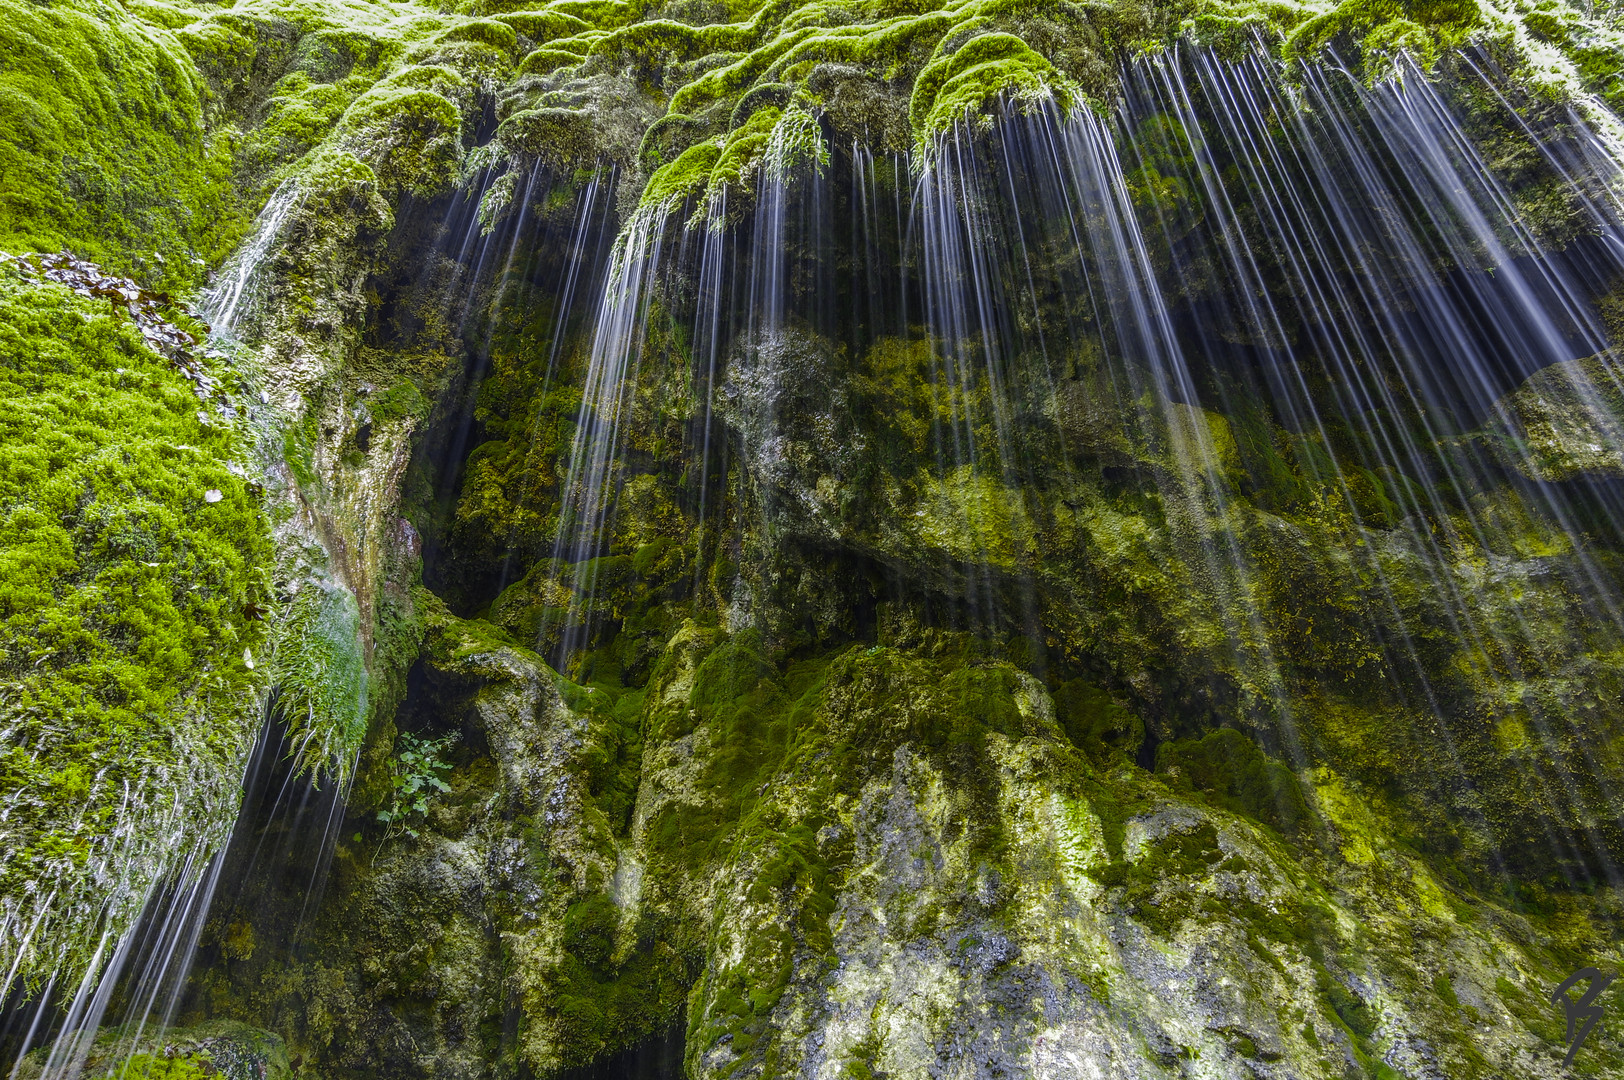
x: 656, y: 1058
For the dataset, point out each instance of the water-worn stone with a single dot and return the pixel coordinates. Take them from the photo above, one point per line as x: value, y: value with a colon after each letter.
x: 897, y: 869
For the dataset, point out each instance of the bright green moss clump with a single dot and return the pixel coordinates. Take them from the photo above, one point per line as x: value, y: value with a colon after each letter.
x: 987, y: 66
x: 900, y: 76
x: 131, y: 583
x: 102, y: 144
x: 321, y: 677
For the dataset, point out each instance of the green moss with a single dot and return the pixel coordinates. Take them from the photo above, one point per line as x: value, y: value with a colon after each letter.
x: 988, y: 66
x: 547, y: 61
x: 398, y: 401
x: 1349, y: 1008
x: 132, y: 581
x: 509, y: 499
x: 563, y: 138
x: 1381, y: 28
x: 103, y: 145
x: 134, y: 79
x: 321, y: 676
x: 1094, y: 721
x: 542, y: 27
x: 303, y: 110
x: 1230, y: 771
x: 779, y: 737
x: 606, y: 997
x: 1150, y: 891
x: 495, y: 33
x: 956, y: 63
x: 151, y: 1067
x: 410, y: 129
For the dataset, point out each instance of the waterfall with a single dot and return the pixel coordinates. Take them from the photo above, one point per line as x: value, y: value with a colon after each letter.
x: 233, y: 293
x: 1395, y: 175
x: 1281, y: 405
x: 1383, y: 296
x: 140, y: 981
x: 617, y: 337
x: 138, y: 972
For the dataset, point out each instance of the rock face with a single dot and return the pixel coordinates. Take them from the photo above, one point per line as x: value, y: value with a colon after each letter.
x: 919, y: 704
x: 785, y: 527
x: 890, y: 860
x: 1564, y: 421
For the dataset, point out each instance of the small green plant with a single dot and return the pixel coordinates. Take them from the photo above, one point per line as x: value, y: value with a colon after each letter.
x: 420, y: 766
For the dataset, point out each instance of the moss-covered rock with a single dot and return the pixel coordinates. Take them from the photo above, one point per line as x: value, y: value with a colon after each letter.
x: 104, y: 146
x: 917, y: 702
x: 165, y: 129
x: 487, y: 930
x: 902, y: 75
x: 888, y: 858
x: 136, y: 580
x: 218, y: 1048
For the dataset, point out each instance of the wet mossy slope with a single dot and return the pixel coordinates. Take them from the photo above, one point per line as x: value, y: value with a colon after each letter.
x: 104, y: 146
x: 136, y: 572
x: 846, y: 759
